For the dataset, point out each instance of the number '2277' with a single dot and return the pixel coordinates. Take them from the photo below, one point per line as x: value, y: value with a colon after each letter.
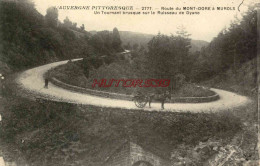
x: 146, y: 8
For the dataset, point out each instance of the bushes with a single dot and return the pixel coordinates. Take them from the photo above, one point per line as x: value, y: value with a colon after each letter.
x: 191, y: 90
x: 25, y: 115
x: 70, y: 73
x: 243, y: 81
x: 35, y: 129
x: 73, y: 74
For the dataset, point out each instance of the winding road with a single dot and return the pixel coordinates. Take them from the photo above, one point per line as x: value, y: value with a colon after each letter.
x: 32, y: 80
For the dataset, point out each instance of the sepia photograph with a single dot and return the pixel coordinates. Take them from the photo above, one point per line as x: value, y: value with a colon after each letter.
x: 129, y: 82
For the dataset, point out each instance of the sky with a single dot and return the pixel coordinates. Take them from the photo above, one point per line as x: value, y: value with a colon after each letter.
x: 204, y: 26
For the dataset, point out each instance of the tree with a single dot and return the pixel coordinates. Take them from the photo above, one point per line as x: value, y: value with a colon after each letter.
x: 183, y: 44
x: 51, y: 17
x: 128, y: 46
x: 97, y: 42
x: 74, y: 25
x: 67, y: 23
x: 82, y: 27
x: 135, y: 47
x: 107, y: 38
x: 232, y: 47
x: 161, y: 55
x: 116, y: 41
x: 182, y: 32
x: 169, y: 55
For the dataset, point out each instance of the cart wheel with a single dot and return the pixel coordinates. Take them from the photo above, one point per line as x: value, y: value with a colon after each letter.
x: 140, y: 104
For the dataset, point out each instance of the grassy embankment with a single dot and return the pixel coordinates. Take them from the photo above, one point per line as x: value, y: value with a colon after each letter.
x: 242, y: 80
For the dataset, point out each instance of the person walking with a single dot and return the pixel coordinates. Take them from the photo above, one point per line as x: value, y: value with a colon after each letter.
x: 46, y: 83
x: 164, y: 97
x: 2, y: 85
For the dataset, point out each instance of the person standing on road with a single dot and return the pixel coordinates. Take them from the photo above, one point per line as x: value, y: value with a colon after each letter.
x: 164, y: 96
x: 46, y: 83
x: 2, y: 85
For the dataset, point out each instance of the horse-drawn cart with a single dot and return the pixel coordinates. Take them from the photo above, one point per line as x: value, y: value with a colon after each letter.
x: 141, y: 100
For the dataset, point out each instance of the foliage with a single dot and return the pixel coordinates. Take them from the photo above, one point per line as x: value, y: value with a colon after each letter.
x: 82, y: 27
x: 72, y: 25
x: 116, y: 41
x: 244, y: 81
x: 191, y: 90
x: 17, y: 29
x: 169, y: 55
x: 107, y: 42
x: 67, y: 22
x: 51, y: 16
x: 232, y: 47
x: 29, y: 39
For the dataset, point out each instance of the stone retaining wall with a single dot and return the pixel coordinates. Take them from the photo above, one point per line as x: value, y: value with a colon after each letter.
x: 59, y: 83
x: 195, y: 99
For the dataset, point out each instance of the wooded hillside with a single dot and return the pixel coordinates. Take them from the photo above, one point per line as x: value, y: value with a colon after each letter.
x: 30, y: 39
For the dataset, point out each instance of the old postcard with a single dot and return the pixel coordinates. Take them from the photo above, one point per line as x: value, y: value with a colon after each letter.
x: 129, y: 82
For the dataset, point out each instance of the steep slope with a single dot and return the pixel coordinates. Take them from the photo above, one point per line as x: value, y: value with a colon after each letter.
x: 27, y: 40
x: 242, y: 80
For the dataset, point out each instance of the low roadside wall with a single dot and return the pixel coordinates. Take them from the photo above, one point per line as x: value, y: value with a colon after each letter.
x: 195, y: 99
x: 59, y: 83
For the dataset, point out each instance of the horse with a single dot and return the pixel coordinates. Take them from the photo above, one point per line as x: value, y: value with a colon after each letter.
x: 159, y: 97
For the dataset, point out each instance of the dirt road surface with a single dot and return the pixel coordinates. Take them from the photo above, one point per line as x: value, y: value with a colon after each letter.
x: 32, y: 80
